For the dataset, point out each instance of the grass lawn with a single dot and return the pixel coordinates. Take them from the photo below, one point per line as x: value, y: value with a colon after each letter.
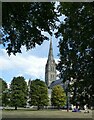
x: 44, y: 114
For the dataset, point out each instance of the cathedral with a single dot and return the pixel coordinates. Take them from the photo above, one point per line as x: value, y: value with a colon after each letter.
x: 50, y: 71
x: 50, y: 68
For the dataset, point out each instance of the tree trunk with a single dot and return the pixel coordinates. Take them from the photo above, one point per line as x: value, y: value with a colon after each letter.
x: 58, y: 107
x: 15, y: 107
x: 38, y: 108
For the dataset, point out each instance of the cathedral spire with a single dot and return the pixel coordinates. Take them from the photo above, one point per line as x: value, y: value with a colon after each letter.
x: 50, y: 56
x: 50, y: 68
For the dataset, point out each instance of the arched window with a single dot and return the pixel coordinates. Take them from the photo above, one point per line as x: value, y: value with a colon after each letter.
x: 51, y: 68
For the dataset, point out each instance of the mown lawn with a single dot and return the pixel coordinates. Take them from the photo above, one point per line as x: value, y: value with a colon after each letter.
x: 44, y: 114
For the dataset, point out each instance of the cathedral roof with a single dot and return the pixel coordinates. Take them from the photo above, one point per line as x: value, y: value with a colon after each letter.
x: 57, y: 82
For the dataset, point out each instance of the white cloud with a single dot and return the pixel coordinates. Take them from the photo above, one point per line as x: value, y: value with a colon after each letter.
x: 23, y: 64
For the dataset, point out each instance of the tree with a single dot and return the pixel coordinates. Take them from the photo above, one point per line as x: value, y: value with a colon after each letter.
x: 77, y: 49
x: 38, y: 93
x: 24, y: 23
x: 58, y: 96
x: 18, y: 92
x: 3, y: 93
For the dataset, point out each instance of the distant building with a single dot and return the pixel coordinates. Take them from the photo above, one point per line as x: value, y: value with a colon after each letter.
x: 50, y: 68
x: 50, y: 72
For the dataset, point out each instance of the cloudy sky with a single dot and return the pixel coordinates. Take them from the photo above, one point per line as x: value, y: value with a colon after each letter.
x: 29, y: 64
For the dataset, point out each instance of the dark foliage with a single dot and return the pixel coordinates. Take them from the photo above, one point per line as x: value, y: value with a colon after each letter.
x: 23, y: 22
x: 77, y: 49
x: 38, y: 94
x: 19, y: 91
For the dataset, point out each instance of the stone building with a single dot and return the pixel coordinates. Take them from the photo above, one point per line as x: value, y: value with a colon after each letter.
x: 50, y: 68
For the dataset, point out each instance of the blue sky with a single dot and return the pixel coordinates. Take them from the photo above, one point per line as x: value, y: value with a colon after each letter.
x: 30, y: 64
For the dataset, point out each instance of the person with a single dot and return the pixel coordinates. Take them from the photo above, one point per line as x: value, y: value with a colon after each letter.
x: 86, y: 109
x: 76, y: 109
x: 72, y: 107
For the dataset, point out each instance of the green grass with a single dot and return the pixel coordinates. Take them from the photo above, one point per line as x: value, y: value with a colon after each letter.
x: 44, y: 114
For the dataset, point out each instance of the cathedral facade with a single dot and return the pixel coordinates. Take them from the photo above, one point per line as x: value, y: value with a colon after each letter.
x: 50, y: 68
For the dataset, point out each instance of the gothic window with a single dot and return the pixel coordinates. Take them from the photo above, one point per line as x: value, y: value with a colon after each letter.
x: 51, y: 68
x: 51, y: 76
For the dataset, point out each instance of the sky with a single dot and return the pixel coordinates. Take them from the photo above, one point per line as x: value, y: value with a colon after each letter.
x: 29, y: 64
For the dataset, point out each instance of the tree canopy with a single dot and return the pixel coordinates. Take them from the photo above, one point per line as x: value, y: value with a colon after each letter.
x: 3, y: 92
x: 24, y: 23
x: 58, y: 96
x: 19, y: 91
x: 3, y: 85
x: 77, y: 48
x: 38, y: 93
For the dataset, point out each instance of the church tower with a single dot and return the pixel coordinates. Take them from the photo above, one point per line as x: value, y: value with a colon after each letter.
x: 50, y: 68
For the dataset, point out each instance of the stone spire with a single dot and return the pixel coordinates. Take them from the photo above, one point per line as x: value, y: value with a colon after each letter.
x: 50, y: 68
x: 50, y: 56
